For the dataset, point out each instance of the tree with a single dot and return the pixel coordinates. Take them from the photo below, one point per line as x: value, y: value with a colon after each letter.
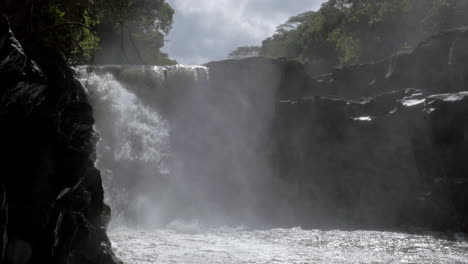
x: 74, y: 27
x: 284, y: 43
x: 344, y: 31
x: 134, y: 32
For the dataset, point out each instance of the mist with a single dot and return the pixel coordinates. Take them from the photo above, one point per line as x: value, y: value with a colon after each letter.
x: 352, y: 135
x: 187, y: 143
x: 330, y: 134
x: 274, y: 144
x: 269, y: 141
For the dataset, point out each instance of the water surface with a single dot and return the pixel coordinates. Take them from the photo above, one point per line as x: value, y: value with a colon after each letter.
x: 190, y: 245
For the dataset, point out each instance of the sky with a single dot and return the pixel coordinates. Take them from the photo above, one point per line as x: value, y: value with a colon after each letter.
x: 208, y: 30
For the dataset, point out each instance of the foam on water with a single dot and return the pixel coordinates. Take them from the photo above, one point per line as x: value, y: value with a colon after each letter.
x: 233, y: 246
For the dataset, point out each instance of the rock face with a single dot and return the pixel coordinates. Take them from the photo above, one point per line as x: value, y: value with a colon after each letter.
x: 51, y: 196
x: 391, y: 161
x: 437, y: 64
x: 381, y: 145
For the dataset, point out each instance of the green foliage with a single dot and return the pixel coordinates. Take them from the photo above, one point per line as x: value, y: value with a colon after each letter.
x: 345, y: 31
x: 346, y: 45
x: 72, y: 26
x: 137, y: 32
x: 285, y: 42
x: 65, y: 26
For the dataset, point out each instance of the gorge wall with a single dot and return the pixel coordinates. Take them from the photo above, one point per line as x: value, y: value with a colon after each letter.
x: 51, y: 196
x: 382, y: 145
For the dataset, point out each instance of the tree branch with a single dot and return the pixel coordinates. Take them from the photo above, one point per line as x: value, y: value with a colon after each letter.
x: 122, y: 45
x: 134, y: 46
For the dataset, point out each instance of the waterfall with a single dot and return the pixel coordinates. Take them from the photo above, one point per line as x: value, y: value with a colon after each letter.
x: 134, y: 150
x: 176, y: 146
x: 177, y: 143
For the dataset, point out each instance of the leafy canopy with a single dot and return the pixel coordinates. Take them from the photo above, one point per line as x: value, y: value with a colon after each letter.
x: 355, y: 31
x: 74, y: 27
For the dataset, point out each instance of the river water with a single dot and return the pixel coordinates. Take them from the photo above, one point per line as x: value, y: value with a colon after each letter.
x: 188, y: 244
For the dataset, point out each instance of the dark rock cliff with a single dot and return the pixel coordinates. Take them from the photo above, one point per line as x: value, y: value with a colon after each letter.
x: 51, y: 196
x: 438, y: 64
x: 381, y: 145
x: 392, y: 161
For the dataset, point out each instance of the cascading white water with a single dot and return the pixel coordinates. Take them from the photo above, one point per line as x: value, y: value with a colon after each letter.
x: 130, y: 132
x: 157, y: 178
x: 172, y: 147
x: 134, y: 152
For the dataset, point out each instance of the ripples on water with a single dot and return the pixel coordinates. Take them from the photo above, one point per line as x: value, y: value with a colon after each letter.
x: 190, y: 245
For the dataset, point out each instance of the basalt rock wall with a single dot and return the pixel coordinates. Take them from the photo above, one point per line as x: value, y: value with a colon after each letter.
x: 380, y: 146
x: 438, y: 64
x: 51, y: 196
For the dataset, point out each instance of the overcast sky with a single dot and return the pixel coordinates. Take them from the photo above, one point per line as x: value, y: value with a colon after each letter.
x: 207, y: 30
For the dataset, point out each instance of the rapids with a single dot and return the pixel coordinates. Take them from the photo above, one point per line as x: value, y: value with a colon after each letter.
x: 189, y: 245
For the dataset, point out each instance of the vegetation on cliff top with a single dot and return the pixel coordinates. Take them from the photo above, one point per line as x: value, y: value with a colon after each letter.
x: 345, y: 32
x: 115, y: 31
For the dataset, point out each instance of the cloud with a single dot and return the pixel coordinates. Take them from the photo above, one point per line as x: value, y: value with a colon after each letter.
x: 207, y: 30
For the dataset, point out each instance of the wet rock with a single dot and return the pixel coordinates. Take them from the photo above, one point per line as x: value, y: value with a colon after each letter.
x: 3, y: 223
x: 52, y: 208
x: 378, y: 146
x: 378, y: 162
x: 438, y: 65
